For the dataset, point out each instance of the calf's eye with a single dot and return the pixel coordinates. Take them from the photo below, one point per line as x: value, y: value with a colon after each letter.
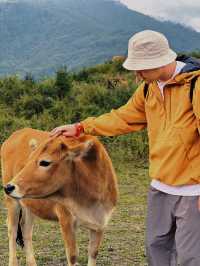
x: 44, y: 163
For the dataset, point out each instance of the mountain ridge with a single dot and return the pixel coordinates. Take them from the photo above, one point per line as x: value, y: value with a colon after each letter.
x: 38, y: 38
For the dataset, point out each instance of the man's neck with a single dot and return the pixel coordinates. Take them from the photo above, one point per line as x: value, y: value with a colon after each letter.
x: 168, y: 72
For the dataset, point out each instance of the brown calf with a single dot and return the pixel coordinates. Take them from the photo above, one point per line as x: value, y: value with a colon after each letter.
x: 64, y: 179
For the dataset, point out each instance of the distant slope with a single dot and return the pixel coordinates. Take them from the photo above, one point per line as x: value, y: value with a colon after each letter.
x: 38, y: 36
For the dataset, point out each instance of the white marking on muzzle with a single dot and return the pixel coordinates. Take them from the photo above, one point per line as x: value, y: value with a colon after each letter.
x: 16, y: 193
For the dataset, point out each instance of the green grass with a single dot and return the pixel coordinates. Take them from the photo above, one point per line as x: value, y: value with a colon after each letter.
x: 123, y: 243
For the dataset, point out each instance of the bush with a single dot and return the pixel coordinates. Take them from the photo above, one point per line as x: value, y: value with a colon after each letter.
x: 11, y: 88
x: 27, y: 105
x: 8, y: 125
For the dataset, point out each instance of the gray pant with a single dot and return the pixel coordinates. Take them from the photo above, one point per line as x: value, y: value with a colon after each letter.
x: 173, y: 227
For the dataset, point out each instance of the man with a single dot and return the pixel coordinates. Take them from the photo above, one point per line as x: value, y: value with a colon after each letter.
x: 171, y: 113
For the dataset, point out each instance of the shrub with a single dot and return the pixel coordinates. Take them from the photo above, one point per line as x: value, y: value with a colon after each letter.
x: 63, y: 82
x: 28, y: 106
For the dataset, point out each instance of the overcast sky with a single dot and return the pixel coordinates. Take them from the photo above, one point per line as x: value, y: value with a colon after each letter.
x: 184, y: 11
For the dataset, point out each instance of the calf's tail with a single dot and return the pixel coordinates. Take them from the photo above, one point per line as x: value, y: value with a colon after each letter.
x: 19, y: 238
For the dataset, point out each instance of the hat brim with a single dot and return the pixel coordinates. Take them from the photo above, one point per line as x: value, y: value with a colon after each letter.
x: 144, y: 64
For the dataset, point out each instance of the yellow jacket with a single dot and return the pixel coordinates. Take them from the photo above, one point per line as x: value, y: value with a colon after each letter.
x: 172, y: 124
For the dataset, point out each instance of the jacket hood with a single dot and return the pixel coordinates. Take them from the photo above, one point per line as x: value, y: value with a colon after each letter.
x: 192, y: 64
x: 189, y: 71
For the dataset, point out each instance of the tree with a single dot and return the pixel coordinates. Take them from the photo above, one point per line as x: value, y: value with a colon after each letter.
x: 29, y: 78
x: 63, y: 82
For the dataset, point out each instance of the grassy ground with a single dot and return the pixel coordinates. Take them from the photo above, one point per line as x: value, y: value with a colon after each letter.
x: 123, y: 243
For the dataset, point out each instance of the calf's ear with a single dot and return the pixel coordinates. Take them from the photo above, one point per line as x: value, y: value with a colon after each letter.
x: 63, y: 150
x: 86, y: 150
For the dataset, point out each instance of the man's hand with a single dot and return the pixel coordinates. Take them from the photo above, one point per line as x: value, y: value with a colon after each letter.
x: 73, y: 130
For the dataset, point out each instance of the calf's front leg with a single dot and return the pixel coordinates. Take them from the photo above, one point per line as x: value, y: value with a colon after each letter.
x: 27, y: 230
x: 68, y: 229
x: 12, y: 223
x: 94, y: 244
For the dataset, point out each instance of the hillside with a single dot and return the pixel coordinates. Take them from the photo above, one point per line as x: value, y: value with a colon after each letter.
x: 67, y: 98
x: 38, y: 36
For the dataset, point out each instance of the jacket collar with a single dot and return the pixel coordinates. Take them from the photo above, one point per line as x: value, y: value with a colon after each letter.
x: 189, y: 71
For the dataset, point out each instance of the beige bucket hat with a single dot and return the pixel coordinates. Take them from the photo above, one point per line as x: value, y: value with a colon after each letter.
x: 148, y: 50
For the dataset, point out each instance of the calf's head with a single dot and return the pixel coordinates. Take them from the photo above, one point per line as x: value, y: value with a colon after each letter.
x: 49, y: 168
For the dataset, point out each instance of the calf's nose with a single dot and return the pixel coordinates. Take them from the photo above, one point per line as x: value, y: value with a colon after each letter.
x: 9, y: 189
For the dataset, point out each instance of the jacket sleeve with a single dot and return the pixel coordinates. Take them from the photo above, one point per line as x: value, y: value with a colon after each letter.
x: 128, y: 118
x: 196, y: 102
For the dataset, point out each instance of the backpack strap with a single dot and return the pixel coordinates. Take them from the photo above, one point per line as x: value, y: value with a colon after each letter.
x: 146, y: 87
x: 192, y: 87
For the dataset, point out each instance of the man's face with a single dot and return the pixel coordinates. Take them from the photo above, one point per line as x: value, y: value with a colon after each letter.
x: 149, y: 75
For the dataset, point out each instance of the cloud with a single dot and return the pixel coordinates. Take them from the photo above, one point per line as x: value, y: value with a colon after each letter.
x: 182, y: 11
